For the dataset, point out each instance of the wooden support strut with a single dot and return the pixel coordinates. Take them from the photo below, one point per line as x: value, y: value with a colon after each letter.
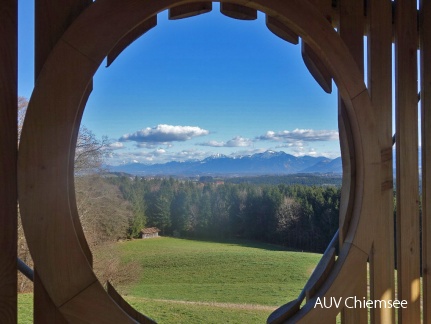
x: 406, y: 115
x: 425, y: 71
x: 8, y: 159
x: 382, y: 281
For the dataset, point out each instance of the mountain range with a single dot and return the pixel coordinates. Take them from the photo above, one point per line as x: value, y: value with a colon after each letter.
x: 266, y: 163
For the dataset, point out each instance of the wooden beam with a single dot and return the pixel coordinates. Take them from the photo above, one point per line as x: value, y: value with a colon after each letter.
x: 351, y: 29
x: 8, y: 159
x: 406, y: 111
x: 425, y: 70
x: 382, y: 281
x: 351, y: 23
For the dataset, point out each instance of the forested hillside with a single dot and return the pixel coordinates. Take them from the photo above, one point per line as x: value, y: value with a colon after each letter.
x: 297, y: 216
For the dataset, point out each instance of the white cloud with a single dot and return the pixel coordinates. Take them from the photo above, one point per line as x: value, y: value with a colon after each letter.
x: 237, y: 141
x: 302, y: 135
x: 164, y: 134
x: 116, y: 145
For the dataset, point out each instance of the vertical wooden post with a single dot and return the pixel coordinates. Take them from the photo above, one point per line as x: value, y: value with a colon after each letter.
x: 379, y: 65
x: 8, y: 159
x: 425, y: 70
x: 407, y: 219
x: 51, y: 20
x: 351, y: 29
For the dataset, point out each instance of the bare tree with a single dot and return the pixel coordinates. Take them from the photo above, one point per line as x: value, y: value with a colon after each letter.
x: 103, y: 213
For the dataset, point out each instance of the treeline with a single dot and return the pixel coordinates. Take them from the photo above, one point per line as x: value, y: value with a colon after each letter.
x: 306, y: 179
x: 297, y: 216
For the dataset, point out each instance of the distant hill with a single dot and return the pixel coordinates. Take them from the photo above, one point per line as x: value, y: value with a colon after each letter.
x: 267, y: 163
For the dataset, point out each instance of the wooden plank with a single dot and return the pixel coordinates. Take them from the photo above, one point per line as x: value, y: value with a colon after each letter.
x: 382, y: 281
x: 8, y: 149
x: 425, y: 70
x: 236, y: 11
x: 316, y: 67
x: 351, y: 29
x: 130, y: 37
x: 406, y: 113
x: 189, y: 10
x: 281, y: 30
x: 357, y: 315
x: 351, y: 23
x: 52, y: 18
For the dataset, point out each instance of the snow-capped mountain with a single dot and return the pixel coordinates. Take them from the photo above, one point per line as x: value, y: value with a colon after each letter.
x: 266, y: 163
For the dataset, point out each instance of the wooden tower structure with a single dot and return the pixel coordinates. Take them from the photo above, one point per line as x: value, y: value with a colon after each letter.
x: 73, y: 37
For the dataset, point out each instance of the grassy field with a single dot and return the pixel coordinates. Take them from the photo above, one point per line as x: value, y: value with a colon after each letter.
x: 188, y: 281
x: 242, y: 281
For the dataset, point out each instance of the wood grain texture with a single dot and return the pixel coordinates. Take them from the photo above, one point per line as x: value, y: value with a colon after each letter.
x: 8, y: 149
x: 406, y: 111
x: 351, y: 22
x: 44, y: 310
x: 425, y: 70
x: 382, y: 281
x: 189, y: 10
x: 52, y: 18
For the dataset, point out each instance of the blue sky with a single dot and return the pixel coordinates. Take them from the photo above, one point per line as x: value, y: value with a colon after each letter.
x: 201, y: 86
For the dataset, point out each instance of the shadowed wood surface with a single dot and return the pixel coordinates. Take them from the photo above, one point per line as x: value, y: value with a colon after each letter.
x: 8, y: 149
x: 316, y: 67
x: 281, y: 30
x: 425, y: 60
x: 406, y: 115
x: 189, y: 10
x: 236, y: 11
x: 130, y: 37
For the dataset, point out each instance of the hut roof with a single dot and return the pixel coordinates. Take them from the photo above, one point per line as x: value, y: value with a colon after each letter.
x: 150, y: 230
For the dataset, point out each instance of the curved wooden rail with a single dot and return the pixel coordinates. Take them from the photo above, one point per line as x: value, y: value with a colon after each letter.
x: 54, y: 114
x: 319, y: 275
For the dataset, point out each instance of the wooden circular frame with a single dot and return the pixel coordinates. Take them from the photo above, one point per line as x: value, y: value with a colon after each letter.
x: 46, y: 190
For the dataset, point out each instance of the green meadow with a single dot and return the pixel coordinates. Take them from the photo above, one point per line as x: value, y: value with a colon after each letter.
x: 191, y: 281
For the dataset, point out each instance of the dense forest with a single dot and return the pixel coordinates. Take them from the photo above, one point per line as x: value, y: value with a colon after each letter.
x: 297, y: 216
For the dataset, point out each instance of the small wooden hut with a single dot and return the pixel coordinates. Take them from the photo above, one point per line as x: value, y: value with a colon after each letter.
x: 149, y: 232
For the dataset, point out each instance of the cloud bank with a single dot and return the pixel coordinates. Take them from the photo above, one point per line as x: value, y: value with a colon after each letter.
x: 303, y: 135
x: 237, y: 141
